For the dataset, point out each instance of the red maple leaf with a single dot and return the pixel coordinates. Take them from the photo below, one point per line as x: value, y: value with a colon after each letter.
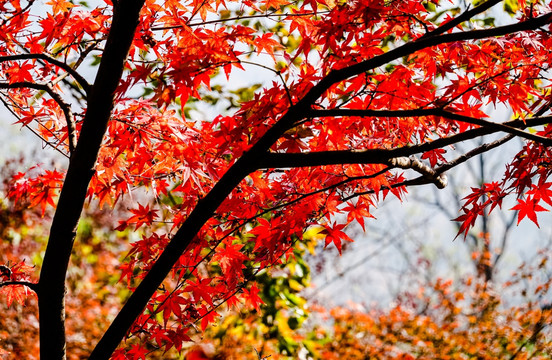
x: 541, y: 192
x: 252, y: 298
x: 201, y: 290
x: 230, y: 260
x: 334, y: 234
x: 16, y: 293
x: 528, y: 208
x: 267, y: 44
x: 358, y: 212
x: 142, y: 216
x: 435, y: 156
x: 138, y: 351
x: 275, y: 4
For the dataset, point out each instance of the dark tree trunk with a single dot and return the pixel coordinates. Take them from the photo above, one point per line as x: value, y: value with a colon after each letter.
x: 51, y: 287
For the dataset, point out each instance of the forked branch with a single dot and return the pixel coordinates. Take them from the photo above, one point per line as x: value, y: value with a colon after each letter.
x: 439, y: 179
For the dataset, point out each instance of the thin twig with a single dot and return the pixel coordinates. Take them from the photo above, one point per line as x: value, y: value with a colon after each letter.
x: 236, y: 18
x: 48, y: 143
x: 78, y: 78
x: 465, y: 16
x: 69, y: 118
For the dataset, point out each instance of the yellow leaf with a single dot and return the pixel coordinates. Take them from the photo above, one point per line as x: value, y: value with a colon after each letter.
x: 60, y: 6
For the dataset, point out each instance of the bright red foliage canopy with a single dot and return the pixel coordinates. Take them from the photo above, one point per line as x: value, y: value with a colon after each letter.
x: 361, y: 92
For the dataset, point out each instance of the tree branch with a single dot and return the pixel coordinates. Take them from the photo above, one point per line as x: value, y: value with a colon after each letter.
x: 474, y: 152
x: 69, y: 119
x: 433, y: 112
x: 78, y: 78
x: 422, y: 180
x: 381, y: 156
x: 30, y: 285
x: 457, y: 161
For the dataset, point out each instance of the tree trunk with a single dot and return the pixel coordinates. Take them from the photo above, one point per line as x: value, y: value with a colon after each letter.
x: 51, y: 287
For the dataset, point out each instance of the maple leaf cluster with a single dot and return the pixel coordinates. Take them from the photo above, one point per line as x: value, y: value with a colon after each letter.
x: 18, y: 274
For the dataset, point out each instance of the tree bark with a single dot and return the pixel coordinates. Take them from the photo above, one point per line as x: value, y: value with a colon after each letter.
x: 51, y: 286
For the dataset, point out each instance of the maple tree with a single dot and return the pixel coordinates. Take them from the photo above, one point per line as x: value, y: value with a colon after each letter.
x: 366, y: 94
